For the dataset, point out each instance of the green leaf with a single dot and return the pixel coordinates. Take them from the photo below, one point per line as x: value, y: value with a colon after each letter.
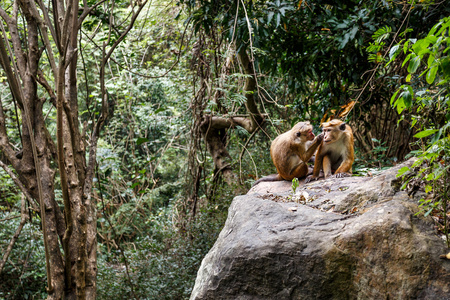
x: 431, y: 59
x: 408, y: 78
x: 414, y: 64
x: 402, y: 171
x: 270, y: 16
x: 160, y: 110
x: 344, y: 41
x: 431, y: 75
x: 425, y: 133
x: 420, y: 45
x: 393, y: 51
x: 431, y: 39
x: 353, y: 32
x: 433, y: 30
x: 140, y: 141
x: 400, y: 104
x: 428, y: 212
x: 406, y: 59
x: 394, y: 96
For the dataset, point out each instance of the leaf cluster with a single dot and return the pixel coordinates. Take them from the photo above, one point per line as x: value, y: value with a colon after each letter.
x: 426, y: 95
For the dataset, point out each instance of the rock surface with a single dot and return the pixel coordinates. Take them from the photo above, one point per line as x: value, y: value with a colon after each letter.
x: 349, y: 238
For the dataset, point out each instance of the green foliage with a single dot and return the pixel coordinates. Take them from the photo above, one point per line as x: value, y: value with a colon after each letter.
x: 9, y: 195
x: 24, y: 275
x: 295, y: 185
x: 311, y: 57
x: 428, y: 98
x: 376, y: 162
x: 163, y: 260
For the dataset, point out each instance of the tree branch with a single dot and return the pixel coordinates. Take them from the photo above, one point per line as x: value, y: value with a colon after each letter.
x: 19, y: 56
x: 49, y: 24
x: 34, y: 12
x: 4, y: 62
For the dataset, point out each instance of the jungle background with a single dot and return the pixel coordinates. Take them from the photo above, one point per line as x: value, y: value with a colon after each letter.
x: 191, y: 94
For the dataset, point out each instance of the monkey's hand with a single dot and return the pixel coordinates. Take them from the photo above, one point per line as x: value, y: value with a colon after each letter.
x: 311, y: 178
x: 319, y: 137
x: 341, y: 175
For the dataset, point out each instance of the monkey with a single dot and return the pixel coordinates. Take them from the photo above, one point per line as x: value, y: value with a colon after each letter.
x: 291, y: 151
x: 335, y: 154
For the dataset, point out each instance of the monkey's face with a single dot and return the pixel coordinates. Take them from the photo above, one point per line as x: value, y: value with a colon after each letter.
x: 332, y: 132
x: 328, y: 135
x: 303, y: 132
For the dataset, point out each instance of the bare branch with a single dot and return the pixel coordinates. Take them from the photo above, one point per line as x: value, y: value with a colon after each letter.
x: 87, y: 10
x: 5, y: 16
x: 4, y: 62
x: 49, y: 24
x: 19, y: 56
x: 43, y: 27
x: 104, y: 113
x: 230, y: 122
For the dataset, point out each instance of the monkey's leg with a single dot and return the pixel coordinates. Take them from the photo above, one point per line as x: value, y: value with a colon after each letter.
x: 344, y: 170
x: 326, y: 166
x: 300, y: 171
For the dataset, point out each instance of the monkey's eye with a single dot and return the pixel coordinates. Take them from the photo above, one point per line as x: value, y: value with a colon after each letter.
x: 298, y: 134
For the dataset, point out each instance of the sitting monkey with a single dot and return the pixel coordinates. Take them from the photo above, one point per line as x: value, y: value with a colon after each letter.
x: 335, y: 154
x: 291, y: 151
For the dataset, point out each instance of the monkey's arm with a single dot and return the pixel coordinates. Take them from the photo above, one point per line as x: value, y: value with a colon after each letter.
x: 312, y: 148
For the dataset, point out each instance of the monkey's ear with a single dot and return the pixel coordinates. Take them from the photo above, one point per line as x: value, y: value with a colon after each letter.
x: 342, y: 126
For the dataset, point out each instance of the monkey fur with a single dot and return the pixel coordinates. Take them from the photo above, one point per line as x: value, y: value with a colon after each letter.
x: 335, y: 154
x: 291, y: 151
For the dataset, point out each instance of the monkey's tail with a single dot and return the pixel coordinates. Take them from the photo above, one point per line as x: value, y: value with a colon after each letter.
x: 271, y: 177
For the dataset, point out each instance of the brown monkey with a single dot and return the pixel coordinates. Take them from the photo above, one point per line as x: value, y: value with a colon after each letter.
x: 291, y: 151
x: 335, y: 154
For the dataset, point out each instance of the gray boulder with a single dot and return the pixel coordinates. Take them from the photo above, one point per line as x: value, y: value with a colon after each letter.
x: 349, y: 238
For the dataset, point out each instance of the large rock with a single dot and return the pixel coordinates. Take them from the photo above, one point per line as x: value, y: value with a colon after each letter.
x: 350, y: 238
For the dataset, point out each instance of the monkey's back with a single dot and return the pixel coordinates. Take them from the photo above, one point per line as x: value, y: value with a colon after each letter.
x: 283, y: 152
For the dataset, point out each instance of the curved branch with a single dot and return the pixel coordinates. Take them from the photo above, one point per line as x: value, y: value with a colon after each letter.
x: 230, y: 122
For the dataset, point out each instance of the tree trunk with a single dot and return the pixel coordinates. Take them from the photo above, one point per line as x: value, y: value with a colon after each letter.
x: 214, y: 128
x: 72, y: 273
